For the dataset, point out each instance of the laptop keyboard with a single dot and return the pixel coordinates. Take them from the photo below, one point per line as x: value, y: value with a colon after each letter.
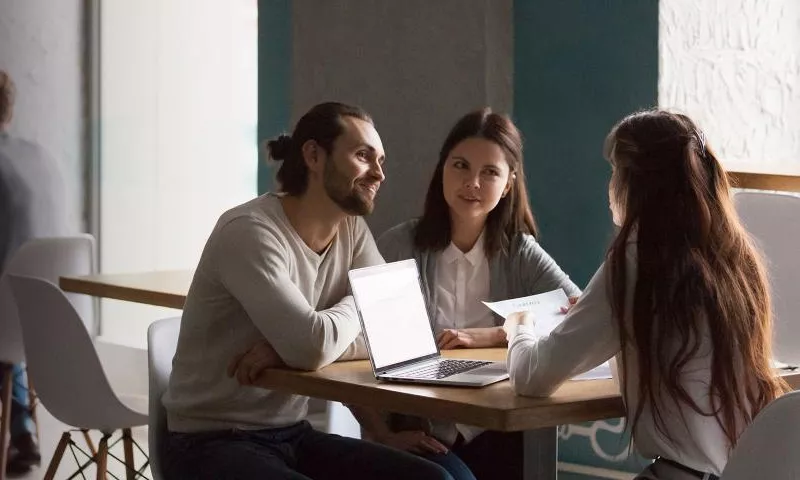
x: 442, y: 369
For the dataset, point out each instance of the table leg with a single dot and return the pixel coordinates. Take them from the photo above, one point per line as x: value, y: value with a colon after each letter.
x: 541, y: 453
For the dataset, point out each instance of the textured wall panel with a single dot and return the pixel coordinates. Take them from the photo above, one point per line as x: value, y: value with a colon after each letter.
x: 415, y: 65
x: 734, y: 66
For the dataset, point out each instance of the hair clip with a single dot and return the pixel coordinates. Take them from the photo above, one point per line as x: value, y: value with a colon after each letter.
x: 701, y: 138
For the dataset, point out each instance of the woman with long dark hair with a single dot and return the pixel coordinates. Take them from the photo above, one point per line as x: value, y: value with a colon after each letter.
x: 476, y: 240
x: 681, y: 301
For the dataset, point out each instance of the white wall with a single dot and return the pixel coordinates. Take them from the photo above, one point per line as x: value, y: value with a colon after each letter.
x: 41, y: 48
x: 178, y: 145
x: 734, y: 66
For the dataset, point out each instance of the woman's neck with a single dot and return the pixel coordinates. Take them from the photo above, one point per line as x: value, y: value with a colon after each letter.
x: 464, y: 233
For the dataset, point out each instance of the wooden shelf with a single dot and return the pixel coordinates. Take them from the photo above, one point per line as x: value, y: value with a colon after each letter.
x: 765, y: 181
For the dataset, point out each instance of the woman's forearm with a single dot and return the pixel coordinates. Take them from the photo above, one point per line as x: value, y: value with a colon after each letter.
x: 487, y: 337
x: 372, y: 421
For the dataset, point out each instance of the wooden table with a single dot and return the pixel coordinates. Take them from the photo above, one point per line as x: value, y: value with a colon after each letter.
x: 166, y: 288
x: 493, y: 407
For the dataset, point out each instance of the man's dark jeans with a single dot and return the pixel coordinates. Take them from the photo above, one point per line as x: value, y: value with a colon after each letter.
x: 295, y: 452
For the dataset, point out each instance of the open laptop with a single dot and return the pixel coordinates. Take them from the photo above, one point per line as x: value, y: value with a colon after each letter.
x: 399, y: 335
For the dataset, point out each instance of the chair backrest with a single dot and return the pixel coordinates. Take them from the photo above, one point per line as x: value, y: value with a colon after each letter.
x: 162, y: 341
x: 61, y: 358
x: 773, y: 220
x: 768, y: 447
x: 47, y: 258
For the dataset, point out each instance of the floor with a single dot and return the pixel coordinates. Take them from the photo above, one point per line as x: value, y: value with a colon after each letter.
x: 336, y: 419
x: 50, y: 433
x: 51, y: 430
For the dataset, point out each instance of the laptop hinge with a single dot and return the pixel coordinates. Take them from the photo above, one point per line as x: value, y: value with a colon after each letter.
x: 402, y: 365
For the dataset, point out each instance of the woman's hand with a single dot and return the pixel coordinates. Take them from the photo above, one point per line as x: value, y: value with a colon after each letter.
x: 572, y: 301
x: 412, y: 441
x: 515, y: 320
x: 248, y: 365
x: 471, y: 338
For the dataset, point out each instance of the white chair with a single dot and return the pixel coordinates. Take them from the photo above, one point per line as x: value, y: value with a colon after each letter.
x: 162, y: 340
x: 46, y: 258
x: 773, y: 220
x: 768, y: 447
x: 69, y: 379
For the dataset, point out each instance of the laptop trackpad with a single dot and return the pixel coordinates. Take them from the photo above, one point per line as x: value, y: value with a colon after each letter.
x: 493, y: 371
x: 497, y: 368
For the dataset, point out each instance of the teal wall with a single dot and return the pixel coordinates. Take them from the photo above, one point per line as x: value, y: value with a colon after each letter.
x: 274, y: 54
x: 579, y: 66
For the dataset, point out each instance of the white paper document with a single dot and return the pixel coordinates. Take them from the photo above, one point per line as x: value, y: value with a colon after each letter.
x: 546, y: 309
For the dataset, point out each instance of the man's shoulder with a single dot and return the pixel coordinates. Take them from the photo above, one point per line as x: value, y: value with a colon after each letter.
x: 14, y: 147
x: 354, y: 224
x: 256, y: 217
x: 261, y: 209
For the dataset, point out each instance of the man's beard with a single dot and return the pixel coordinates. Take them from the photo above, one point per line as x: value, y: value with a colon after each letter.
x: 339, y: 189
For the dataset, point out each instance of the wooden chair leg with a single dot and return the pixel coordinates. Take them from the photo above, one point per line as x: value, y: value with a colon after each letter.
x: 32, y: 404
x: 56, y: 461
x: 102, y: 458
x: 127, y: 442
x: 5, y: 421
x: 89, y: 442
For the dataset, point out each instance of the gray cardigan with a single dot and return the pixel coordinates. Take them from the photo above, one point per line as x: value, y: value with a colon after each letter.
x: 526, y: 270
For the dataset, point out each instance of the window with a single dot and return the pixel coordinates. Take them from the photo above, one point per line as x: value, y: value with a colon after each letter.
x: 178, y: 111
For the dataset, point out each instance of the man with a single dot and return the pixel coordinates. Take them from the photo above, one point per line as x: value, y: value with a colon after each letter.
x: 274, y: 273
x: 32, y: 204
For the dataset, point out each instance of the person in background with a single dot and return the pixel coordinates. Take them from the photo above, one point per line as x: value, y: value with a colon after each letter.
x: 476, y: 240
x: 33, y: 204
x: 681, y: 300
x: 274, y: 272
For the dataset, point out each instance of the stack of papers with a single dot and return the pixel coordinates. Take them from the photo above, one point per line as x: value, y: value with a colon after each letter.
x: 546, y: 309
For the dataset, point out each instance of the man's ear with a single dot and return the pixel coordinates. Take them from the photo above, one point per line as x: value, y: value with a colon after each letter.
x: 313, y: 156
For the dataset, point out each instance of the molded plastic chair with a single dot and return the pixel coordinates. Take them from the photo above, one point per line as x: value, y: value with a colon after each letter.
x: 768, y: 447
x: 162, y: 340
x: 46, y: 258
x: 70, y: 381
x: 773, y: 219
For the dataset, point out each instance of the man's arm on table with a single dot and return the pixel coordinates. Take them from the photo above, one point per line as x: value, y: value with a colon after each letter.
x: 269, y: 266
x: 252, y: 268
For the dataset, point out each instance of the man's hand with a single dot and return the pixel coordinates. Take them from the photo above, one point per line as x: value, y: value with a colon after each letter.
x: 413, y: 441
x: 248, y: 365
x: 572, y: 301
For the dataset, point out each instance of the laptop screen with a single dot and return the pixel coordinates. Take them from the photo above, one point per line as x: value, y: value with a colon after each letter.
x: 393, y: 313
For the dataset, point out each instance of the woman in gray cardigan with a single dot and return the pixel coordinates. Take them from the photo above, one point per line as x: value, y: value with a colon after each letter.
x: 476, y: 240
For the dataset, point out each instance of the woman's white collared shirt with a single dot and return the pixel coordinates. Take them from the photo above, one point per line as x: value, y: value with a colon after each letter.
x: 462, y: 282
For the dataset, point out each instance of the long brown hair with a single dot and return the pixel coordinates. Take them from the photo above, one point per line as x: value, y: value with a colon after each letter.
x: 698, y: 273
x: 511, y: 216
